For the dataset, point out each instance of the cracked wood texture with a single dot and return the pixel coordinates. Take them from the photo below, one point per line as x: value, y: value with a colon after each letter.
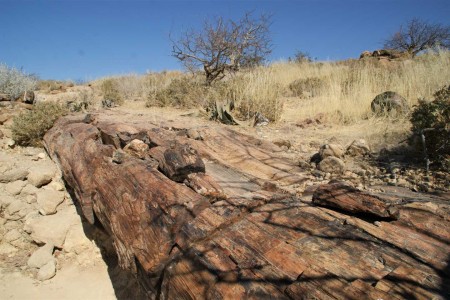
x: 238, y: 231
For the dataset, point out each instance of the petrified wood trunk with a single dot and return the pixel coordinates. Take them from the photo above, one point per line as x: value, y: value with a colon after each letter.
x: 232, y: 230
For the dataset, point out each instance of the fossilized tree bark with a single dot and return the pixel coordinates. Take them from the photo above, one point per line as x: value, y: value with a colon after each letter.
x: 228, y: 234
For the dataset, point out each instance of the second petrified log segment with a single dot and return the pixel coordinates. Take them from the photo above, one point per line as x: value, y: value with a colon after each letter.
x: 250, y: 242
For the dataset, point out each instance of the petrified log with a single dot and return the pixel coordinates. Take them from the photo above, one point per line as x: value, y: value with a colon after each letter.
x: 255, y: 240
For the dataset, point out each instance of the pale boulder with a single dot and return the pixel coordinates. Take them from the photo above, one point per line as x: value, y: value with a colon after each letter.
x: 41, y: 256
x: 41, y: 175
x: 47, y: 271
x: 48, y: 200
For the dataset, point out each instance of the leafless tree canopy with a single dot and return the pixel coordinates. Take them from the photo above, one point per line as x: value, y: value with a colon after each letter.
x: 418, y: 35
x: 224, y: 46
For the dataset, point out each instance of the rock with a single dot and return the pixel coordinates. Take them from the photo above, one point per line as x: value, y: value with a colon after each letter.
x: 41, y: 256
x: 331, y: 150
x: 48, y: 200
x: 41, y: 155
x: 7, y: 249
x: 51, y: 229
x: 118, y: 156
x: 389, y: 102
x: 15, y: 207
x: 57, y: 186
x: 365, y: 54
x: 260, y: 120
x: 331, y: 164
x: 6, y: 200
x: 10, y: 143
x: 47, y: 271
x: 13, y: 175
x: 1, y: 134
x: 282, y: 142
x: 358, y: 148
x: 136, y: 148
x: 76, y: 241
x: 14, y: 188
x: 41, y: 174
x: 29, y: 189
x: 304, y: 164
x: 194, y: 134
x: 12, y: 235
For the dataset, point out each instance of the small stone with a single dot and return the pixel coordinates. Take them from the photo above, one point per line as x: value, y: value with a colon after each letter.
x: 194, y: 134
x: 30, y: 199
x: 14, y: 188
x: 41, y: 175
x: 41, y: 256
x: 358, y: 148
x: 331, y: 164
x: 57, y: 186
x: 15, y: 207
x: 76, y: 241
x: 7, y: 249
x: 13, y: 175
x: 6, y: 200
x: 41, y: 155
x: 283, y: 143
x: 47, y: 271
x: 118, y: 156
x: 48, y: 200
x: 12, y: 235
x: 29, y: 189
x: 1, y: 134
x: 331, y: 150
x: 10, y: 143
x: 136, y: 148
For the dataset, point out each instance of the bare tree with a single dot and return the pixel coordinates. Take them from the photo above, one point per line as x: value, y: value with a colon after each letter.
x: 224, y: 46
x: 417, y: 35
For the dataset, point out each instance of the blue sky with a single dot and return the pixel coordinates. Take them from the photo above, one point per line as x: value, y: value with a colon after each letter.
x: 89, y: 39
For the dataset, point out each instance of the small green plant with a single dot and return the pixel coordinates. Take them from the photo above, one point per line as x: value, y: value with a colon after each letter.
x: 110, y: 91
x: 431, y: 120
x: 29, y: 127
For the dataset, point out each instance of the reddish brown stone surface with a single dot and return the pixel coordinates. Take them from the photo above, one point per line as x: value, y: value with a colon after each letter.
x: 183, y: 241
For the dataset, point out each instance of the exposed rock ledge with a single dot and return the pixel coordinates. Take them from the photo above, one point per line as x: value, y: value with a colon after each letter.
x: 238, y: 231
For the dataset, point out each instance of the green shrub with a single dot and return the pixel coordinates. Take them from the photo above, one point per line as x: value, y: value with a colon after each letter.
x: 14, y: 82
x: 29, y: 127
x: 433, y: 119
x: 110, y: 91
x: 306, y: 87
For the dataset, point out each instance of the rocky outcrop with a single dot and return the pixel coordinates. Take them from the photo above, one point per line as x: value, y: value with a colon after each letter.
x: 255, y: 240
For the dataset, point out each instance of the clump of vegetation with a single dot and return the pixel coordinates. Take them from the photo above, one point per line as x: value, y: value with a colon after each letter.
x: 307, y: 87
x: 14, y: 82
x: 181, y: 92
x: 29, y: 127
x: 110, y: 91
x: 81, y: 102
x: 432, y: 121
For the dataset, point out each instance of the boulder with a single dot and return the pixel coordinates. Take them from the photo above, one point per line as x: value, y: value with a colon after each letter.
x: 12, y: 235
x: 7, y: 249
x: 6, y: 200
x: 76, y: 240
x: 14, y: 188
x: 331, y: 150
x: 331, y: 164
x: 13, y: 175
x: 358, y: 148
x: 47, y: 271
x: 29, y: 189
x: 48, y: 200
x: 41, y: 256
x: 41, y: 174
x: 389, y: 102
x: 136, y: 148
x: 51, y: 229
x: 365, y: 54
